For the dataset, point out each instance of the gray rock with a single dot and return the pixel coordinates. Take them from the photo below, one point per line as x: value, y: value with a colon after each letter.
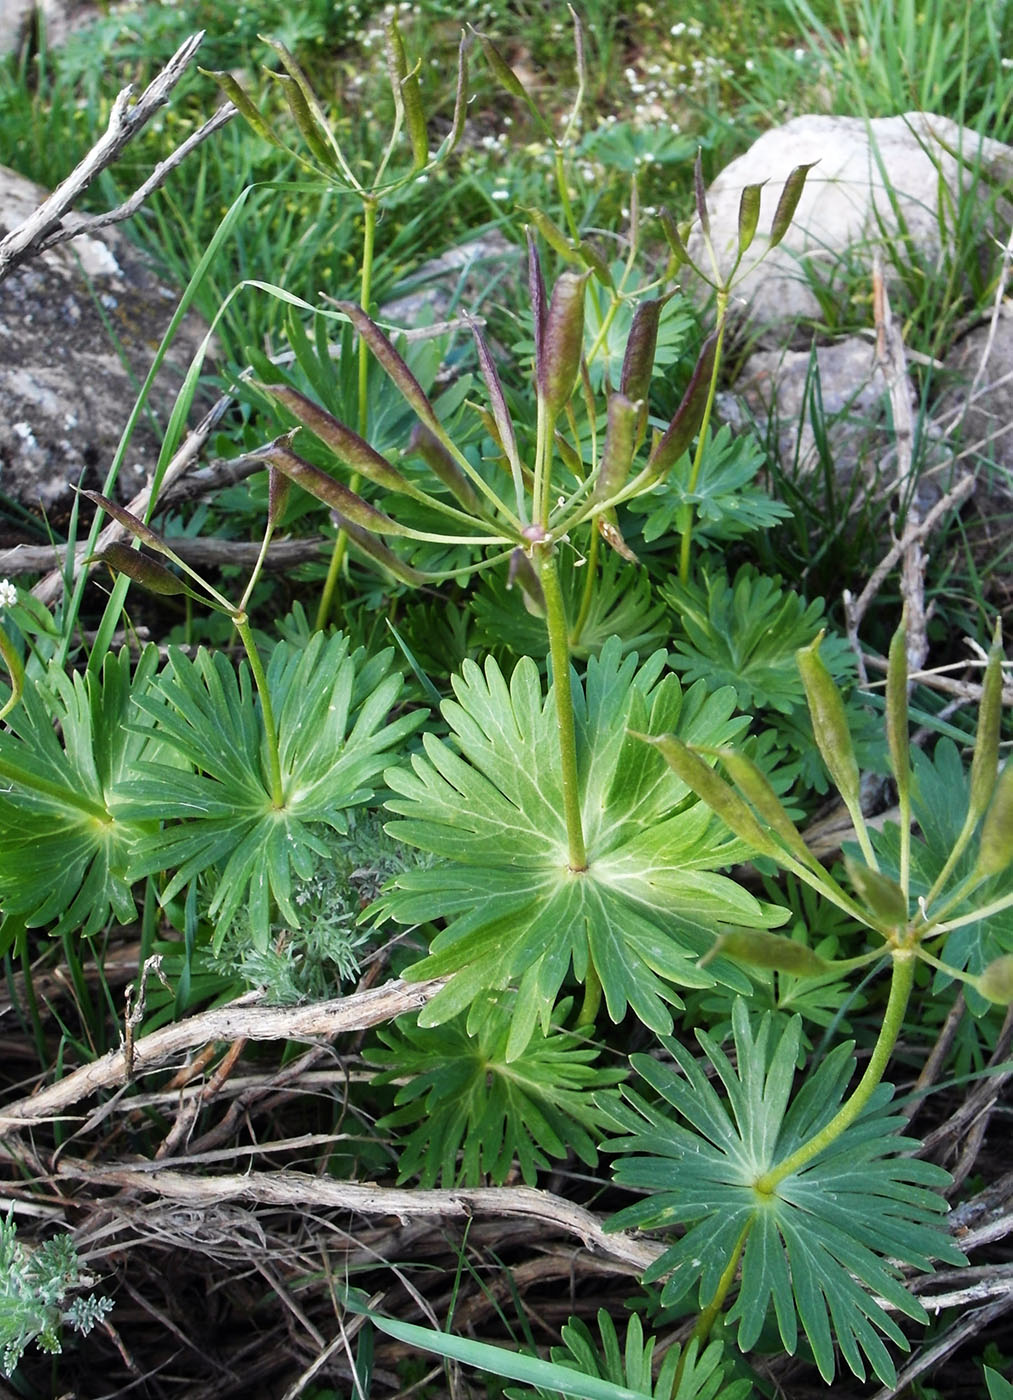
x: 869, y: 173
x: 985, y: 424
x: 65, y: 391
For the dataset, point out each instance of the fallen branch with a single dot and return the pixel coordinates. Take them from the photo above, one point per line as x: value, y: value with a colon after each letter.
x: 304, y: 1190
x: 53, y: 223
x: 238, y: 1019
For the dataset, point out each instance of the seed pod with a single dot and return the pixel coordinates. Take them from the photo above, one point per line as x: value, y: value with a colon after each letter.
x: 676, y: 239
x: 149, y: 573
x: 16, y: 671
x: 536, y: 290
x: 590, y: 257
x: 131, y: 522
x: 563, y: 342
x: 279, y: 488
x: 788, y: 203
x: 882, y: 896
x: 830, y: 724
x: 349, y: 448
x: 306, y: 119
x: 701, y: 195
x: 995, y: 851
x: 758, y: 948
x: 508, y: 79
x: 525, y: 575
x: 985, y: 763
x: 896, y: 712
x: 749, y: 215
x: 404, y: 84
x: 501, y: 414
x: 620, y: 444
x: 442, y: 465
x: 996, y: 982
x: 754, y: 786
x: 553, y: 235
x: 712, y: 789
x: 241, y: 99
x: 377, y: 551
x: 383, y: 351
x: 350, y: 506
x: 641, y: 345
x: 688, y: 416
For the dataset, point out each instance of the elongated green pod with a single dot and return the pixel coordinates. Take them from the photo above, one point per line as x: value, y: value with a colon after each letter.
x: 247, y: 108
x: 442, y: 465
x: 830, y: 723
x: 896, y: 714
x: 749, y: 215
x: 563, y: 342
x: 279, y: 488
x: 788, y: 202
x: 620, y: 444
x: 501, y: 414
x: 404, y: 82
x: 995, y: 849
x: 676, y: 238
x: 149, y: 573
x: 553, y: 235
x: 394, y: 365
x: 509, y: 80
x: 996, y: 982
x: 523, y: 573
x: 685, y: 425
x: 349, y: 448
x: 333, y: 493
x: 700, y: 192
x: 592, y: 258
x: 133, y: 523
x: 754, y: 786
x: 712, y: 789
x: 309, y: 122
x: 377, y: 551
x: 770, y: 951
x: 882, y: 896
x: 985, y: 762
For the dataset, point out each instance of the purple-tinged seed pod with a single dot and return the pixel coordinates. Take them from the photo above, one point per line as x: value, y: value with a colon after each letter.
x: 563, y: 342
x: 620, y: 444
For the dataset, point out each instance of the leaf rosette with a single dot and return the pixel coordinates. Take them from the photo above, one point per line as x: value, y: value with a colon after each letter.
x: 490, y: 804
x: 808, y: 1247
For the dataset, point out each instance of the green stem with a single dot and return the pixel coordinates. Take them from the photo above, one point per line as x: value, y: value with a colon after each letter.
x: 708, y: 1316
x: 369, y: 211
x: 591, y: 568
x: 592, y: 999
x: 260, y: 680
x: 559, y: 653
x: 901, y: 982
x: 712, y: 388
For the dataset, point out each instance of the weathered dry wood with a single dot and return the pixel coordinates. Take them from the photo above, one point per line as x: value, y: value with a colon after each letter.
x: 227, y: 1023
x: 53, y: 222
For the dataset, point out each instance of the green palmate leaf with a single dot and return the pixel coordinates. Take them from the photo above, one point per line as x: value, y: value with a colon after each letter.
x: 745, y: 633
x: 332, y: 711
x: 727, y: 503
x: 809, y: 1251
x: 491, y: 805
x: 462, y: 1093
x: 65, y: 840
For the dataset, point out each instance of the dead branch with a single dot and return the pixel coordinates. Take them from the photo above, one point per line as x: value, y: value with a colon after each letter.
x: 227, y: 1023
x: 303, y: 1190
x: 53, y: 222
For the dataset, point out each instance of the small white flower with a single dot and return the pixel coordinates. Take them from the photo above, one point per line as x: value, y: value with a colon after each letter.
x: 8, y: 594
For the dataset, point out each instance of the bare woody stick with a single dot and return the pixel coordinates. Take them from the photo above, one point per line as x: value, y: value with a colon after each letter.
x: 54, y: 222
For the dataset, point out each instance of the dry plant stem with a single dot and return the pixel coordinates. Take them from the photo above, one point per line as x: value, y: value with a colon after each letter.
x: 198, y: 553
x: 238, y: 1018
x: 304, y: 1190
x: 961, y: 1332
x: 937, y: 1057
x: 47, y: 227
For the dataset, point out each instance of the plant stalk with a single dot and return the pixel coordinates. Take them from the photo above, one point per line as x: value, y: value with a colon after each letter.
x: 901, y: 982
x: 245, y: 631
x: 712, y: 388
x: 559, y: 653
